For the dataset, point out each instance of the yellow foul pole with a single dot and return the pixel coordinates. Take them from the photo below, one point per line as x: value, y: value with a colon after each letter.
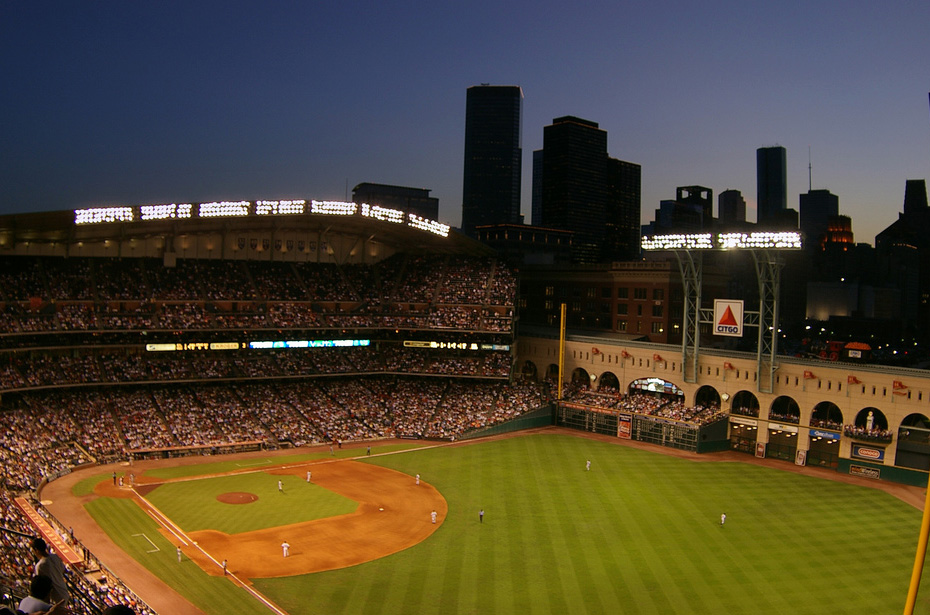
x: 561, y: 348
x: 919, y: 558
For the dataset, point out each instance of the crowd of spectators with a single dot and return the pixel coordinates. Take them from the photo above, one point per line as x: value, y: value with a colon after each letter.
x: 784, y: 417
x: 662, y: 406
x: 861, y: 432
x: 47, y: 294
x: 87, y: 366
x: 93, y: 588
x: 745, y: 411
x: 826, y: 424
x: 43, y: 434
x: 79, y: 388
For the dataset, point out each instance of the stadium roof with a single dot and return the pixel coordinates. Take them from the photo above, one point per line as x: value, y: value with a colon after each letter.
x: 68, y: 228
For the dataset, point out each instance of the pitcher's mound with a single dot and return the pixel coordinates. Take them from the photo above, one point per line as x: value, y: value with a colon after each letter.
x: 237, y: 497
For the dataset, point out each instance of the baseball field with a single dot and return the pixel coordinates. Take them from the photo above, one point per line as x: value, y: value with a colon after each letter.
x: 639, y: 532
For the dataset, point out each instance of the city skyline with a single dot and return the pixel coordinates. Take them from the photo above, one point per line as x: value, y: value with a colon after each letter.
x: 130, y: 104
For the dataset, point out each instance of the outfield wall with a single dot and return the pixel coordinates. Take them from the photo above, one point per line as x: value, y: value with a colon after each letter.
x: 543, y: 416
x: 876, y: 471
x: 645, y: 428
x: 825, y: 406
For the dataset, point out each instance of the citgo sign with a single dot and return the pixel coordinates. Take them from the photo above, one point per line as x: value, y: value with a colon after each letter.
x: 728, y: 318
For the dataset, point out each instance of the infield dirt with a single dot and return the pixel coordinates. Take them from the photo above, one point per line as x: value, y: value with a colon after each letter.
x: 393, y: 514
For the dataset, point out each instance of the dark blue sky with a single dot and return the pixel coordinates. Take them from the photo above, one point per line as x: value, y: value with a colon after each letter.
x: 149, y: 102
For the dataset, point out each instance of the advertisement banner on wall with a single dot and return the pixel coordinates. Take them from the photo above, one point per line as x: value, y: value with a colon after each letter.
x: 872, y: 453
x: 624, y: 426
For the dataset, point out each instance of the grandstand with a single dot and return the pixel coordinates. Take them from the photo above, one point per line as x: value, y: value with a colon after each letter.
x: 187, y: 329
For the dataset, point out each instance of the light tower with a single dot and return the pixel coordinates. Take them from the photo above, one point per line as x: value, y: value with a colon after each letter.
x: 765, y: 248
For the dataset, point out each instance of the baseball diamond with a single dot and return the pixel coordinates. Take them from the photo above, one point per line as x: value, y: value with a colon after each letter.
x: 582, y: 513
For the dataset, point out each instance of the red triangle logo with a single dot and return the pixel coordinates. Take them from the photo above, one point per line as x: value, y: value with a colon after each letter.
x: 728, y: 318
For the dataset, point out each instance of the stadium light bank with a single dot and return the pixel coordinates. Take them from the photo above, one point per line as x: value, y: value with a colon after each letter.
x: 757, y: 240
x: 255, y: 209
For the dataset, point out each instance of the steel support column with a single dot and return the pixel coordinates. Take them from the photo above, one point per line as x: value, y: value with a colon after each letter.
x: 768, y: 273
x: 691, y: 265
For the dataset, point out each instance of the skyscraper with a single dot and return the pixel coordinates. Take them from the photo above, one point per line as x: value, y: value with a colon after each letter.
x: 493, y: 156
x: 702, y: 198
x: 731, y: 209
x: 583, y: 191
x: 817, y: 208
x: 622, y: 217
x: 536, y: 201
x: 771, y: 184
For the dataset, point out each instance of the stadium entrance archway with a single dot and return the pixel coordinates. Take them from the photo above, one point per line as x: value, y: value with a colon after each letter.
x: 552, y: 372
x: 744, y: 422
x: 528, y: 371
x: 913, y: 450
x: 827, y: 415
x: 824, y: 446
x: 745, y: 403
x: 658, y: 388
x: 871, y: 424
x: 707, y: 396
x: 783, y: 434
x: 581, y: 378
x: 608, y: 383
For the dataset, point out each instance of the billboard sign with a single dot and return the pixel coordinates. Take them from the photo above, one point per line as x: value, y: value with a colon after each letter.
x: 624, y: 426
x: 728, y: 318
x: 872, y: 453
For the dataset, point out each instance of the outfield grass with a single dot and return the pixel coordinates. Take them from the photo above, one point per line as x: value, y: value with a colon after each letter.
x: 639, y: 533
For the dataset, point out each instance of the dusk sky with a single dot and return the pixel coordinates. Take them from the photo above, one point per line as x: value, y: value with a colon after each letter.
x: 130, y: 103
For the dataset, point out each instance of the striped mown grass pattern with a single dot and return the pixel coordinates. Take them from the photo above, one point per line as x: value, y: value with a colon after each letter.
x: 639, y: 533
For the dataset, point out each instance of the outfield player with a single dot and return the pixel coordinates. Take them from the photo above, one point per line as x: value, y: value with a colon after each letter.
x: 280, y: 486
x: 587, y: 465
x: 723, y: 519
x: 418, y: 479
